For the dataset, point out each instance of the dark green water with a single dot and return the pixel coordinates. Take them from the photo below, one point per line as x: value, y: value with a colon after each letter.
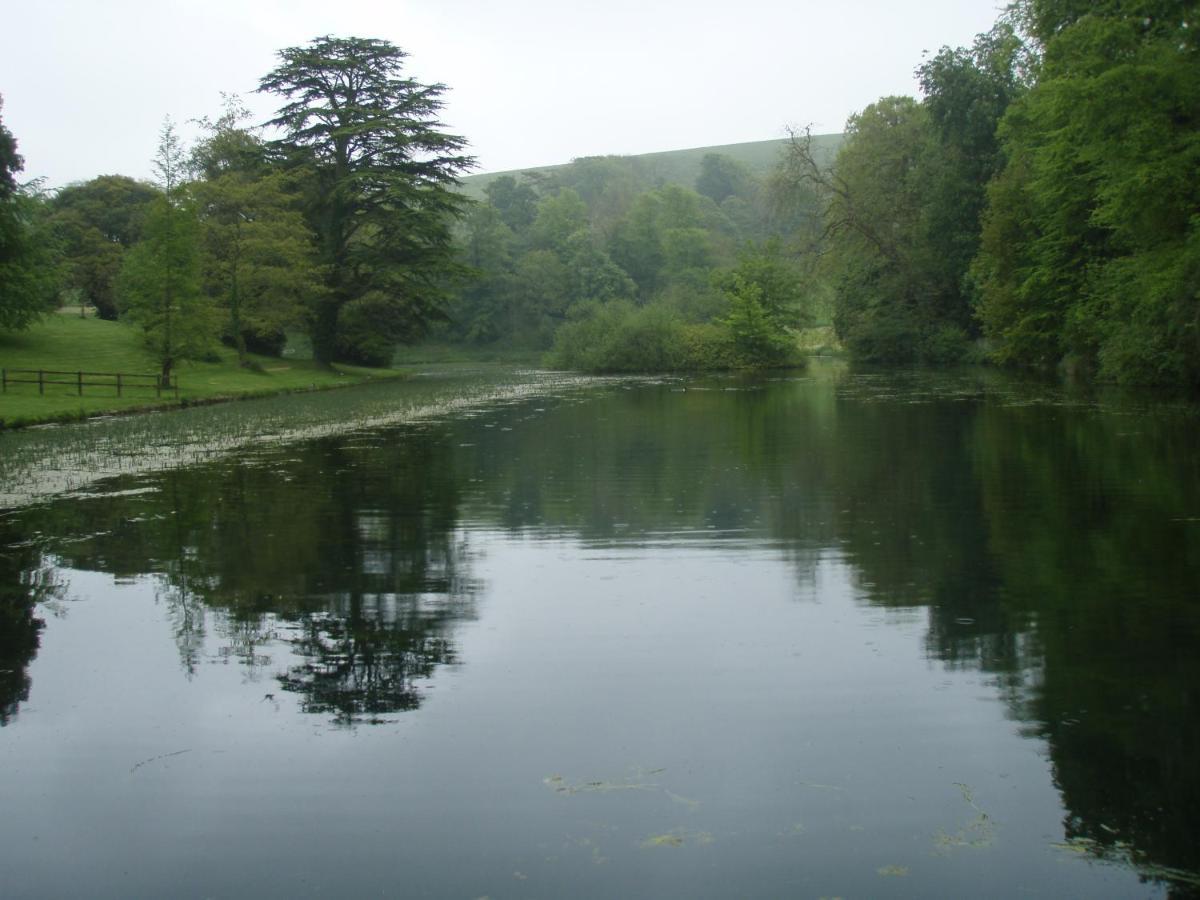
x: 835, y: 635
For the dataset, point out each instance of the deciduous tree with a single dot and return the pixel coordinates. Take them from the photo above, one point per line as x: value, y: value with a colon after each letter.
x: 97, y: 222
x: 160, y: 278
x: 259, y: 264
x: 27, y: 264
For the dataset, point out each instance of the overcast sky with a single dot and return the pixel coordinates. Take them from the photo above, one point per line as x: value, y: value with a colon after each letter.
x: 86, y: 83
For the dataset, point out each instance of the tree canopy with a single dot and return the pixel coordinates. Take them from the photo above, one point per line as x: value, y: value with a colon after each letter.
x: 1091, y: 243
x: 160, y: 277
x: 27, y: 272
x: 380, y: 188
x: 98, y: 221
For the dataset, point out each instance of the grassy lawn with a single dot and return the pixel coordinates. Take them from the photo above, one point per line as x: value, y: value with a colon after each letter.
x: 69, y: 343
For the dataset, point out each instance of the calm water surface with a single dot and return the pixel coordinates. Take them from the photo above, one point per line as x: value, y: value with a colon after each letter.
x: 523, y: 635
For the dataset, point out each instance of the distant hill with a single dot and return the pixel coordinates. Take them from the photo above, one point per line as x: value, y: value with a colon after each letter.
x: 679, y: 166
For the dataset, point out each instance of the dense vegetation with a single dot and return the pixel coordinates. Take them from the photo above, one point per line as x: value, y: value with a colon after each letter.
x: 610, y: 269
x: 1037, y: 206
x: 340, y: 226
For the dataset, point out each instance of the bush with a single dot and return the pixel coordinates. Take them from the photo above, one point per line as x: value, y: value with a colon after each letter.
x: 708, y: 346
x: 757, y: 340
x: 619, y: 337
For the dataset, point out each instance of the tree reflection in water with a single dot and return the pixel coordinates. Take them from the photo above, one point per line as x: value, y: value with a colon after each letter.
x: 1052, y: 550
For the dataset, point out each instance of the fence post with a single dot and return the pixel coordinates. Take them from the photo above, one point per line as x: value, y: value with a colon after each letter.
x: 41, y: 382
x: 79, y: 376
x: 118, y: 384
x: 4, y: 379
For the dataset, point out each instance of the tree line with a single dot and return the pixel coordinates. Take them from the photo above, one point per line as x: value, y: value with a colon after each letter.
x: 606, y: 268
x: 340, y: 226
x: 1036, y: 207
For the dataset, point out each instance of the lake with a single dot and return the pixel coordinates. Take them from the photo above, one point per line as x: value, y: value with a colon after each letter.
x: 492, y: 633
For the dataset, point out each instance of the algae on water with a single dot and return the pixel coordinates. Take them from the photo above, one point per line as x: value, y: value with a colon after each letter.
x: 977, y: 833
x: 677, y: 837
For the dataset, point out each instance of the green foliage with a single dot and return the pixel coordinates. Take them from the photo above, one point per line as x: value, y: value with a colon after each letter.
x: 1090, y: 249
x: 381, y: 181
x: 669, y: 235
x: 559, y: 217
x: 592, y: 274
x: 722, y: 177
x: 514, y: 201
x: 10, y: 161
x: 366, y: 329
x: 883, y: 295
x: 69, y: 343
x: 782, y: 290
x: 159, y: 284
x: 757, y: 340
x: 620, y: 337
x: 259, y: 263
x: 27, y: 263
x: 97, y: 222
x: 594, y: 239
x: 904, y: 203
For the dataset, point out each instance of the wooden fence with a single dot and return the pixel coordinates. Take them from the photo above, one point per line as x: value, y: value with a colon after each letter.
x: 122, y: 381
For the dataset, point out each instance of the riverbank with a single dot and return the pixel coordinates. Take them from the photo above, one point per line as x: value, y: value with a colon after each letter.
x: 69, y: 343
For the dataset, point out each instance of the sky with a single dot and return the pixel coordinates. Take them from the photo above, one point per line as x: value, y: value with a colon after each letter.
x: 87, y: 84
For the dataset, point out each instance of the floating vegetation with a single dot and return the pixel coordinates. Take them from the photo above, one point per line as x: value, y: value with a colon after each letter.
x: 893, y: 871
x: 663, y: 840
x: 561, y: 786
x: 39, y: 463
x: 977, y: 833
x: 677, y: 837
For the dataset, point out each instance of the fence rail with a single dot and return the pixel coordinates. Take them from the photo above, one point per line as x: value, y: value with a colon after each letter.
x: 122, y: 381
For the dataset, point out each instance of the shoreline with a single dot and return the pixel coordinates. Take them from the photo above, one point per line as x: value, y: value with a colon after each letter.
x: 81, y: 415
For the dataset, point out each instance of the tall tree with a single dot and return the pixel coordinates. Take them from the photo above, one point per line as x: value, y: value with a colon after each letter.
x: 160, y: 278
x: 873, y: 229
x: 1091, y: 247
x: 27, y: 265
x: 259, y: 263
x: 381, y: 198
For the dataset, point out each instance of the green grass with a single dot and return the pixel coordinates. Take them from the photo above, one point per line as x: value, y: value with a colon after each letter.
x: 69, y: 343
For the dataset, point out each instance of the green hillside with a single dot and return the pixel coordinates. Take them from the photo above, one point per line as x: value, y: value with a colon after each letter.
x: 679, y: 166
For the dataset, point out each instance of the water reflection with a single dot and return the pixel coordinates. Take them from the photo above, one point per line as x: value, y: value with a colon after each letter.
x: 348, y: 550
x: 1052, y: 548
x: 23, y: 583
